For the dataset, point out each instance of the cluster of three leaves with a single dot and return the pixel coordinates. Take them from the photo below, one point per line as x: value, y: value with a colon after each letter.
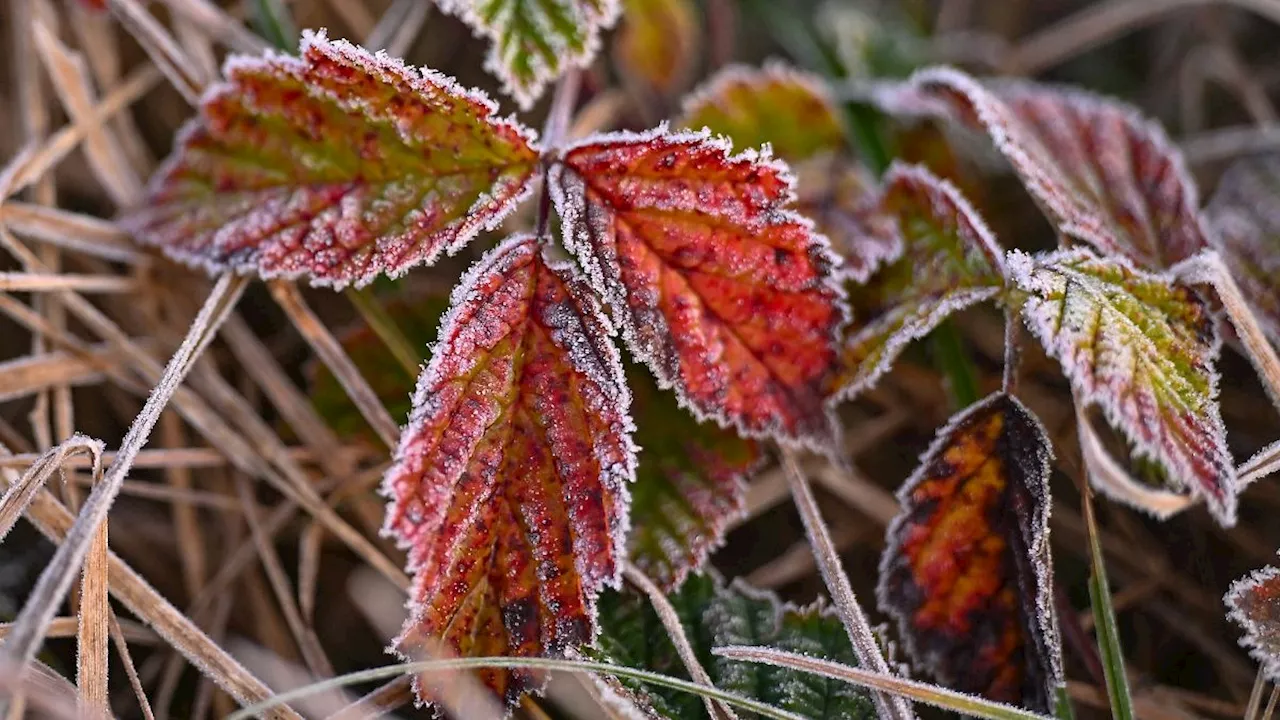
x: 510, y: 482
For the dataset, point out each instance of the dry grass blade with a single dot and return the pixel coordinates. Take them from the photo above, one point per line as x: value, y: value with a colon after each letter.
x: 330, y: 352
x: 1110, y: 477
x: 92, y: 638
x: 19, y: 494
x: 160, y: 47
x: 71, y: 81
x: 71, y: 231
x: 377, y: 703
x: 53, y: 282
x: 1264, y: 463
x: 52, y: 586
x: 122, y: 647
x: 851, y: 615
x: 219, y: 25
x: 675, y: 629
x: 399, y: 27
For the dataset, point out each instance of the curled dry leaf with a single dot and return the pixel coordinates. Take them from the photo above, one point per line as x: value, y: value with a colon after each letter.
x: 657, y: 44
x: 1254, y: 603
x: 509, y: 487
x: 725, y: 293
x: 535, y: 41
x: 1104, y: 173
x: 1243, y: 215
x: 714, y: 615
x: 950, y: 260
x: 966, y: 571
x: 340, y: 165
x: 690, y: 484
x: 1141, y: 348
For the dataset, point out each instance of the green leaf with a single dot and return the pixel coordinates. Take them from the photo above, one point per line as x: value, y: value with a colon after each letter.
x: 535, y: 41
x: 1142, y: 349
x: 689, y: 483
x: 950, y: 260
x: 339, y: 165
x: 714, y: 615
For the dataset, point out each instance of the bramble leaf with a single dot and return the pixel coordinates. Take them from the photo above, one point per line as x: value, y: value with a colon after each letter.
x: 950, y: 260
x: 657, y: 43
x: 1247, y: 234
x: 535, y: 41
x: 1254, y: 604
x: 966, y: 571
x: 727, y: 295
x: 713, y: 616
x: 340, y: 165
x: 776, y: 105
x: 844, y: 202
x: 690, y: 483
x: 509, y: 487
x: 1103, y: 172
x: 1143, y: 350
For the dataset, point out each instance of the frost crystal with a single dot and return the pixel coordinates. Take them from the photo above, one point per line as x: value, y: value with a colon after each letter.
x: 966, y: 571
x: 339, y: 165
x: 726, y: 294
x: 1254, y: 603
x: 1143, y: 350
x: 509, y: 488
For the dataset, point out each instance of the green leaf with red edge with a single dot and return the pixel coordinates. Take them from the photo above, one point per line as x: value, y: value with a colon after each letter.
x: 1254, y: 604
x: 715, y: 615
x: 966, y: 571
x: 950, y: 261
x: 776, y: 105
x: 535, y: 41
x: 690, y: 484
x: 1104, y: 173
x: 724, y: 292
x: 339, y: 165
x: 509, y: 487
x: 1247, y: 234
x: 1142, y: 348
x: 417, y: 319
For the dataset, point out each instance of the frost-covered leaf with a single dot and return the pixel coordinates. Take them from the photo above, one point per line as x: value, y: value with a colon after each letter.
x: 339, y: 165
x: 1244, y: 216
x: 657, y: 44
x: 728, y: 296
x: 535, y: 41
x: 950, y: 260
x: 1143, y: 350
x: 1103, y: 172
x: 778, y: 105
x: 509, y: 488
x: 417, y: 319
x: 714, y: 615
x: 966, y: 571
x: 689, y: 484
x: 1254, y: 604
x: 844, y: 203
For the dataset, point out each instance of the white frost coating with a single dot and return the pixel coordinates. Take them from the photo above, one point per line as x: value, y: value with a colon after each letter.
x: 1116, y: 363
x: 1043, y: 167
x: 1115, y: 482
x: 591, y: 16
x: 1262, y: 634
x: 249, y: 209
x: 1262, y: 464
x: 960, y: 211
x: 1036, y: 461
x: 583, y: 222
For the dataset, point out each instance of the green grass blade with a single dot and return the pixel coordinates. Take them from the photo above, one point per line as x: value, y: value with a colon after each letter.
x: 1104, y: 619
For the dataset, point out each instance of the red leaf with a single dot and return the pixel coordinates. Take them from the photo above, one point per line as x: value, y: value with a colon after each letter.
x: 1255, y: 604
x: 509, y: 486
x: 1248, y: 234
x: 1104, y: 173
x: 967, y: 572
x: 339, y: 165
x: 726, y: 294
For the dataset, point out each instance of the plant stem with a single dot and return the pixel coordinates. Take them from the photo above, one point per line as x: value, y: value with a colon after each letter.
x: 380, y: 322
x: 855, y: 622
x: 1105, y: 620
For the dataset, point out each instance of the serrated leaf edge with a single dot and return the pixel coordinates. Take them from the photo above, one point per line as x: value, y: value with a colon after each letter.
x: 1269, y: 662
